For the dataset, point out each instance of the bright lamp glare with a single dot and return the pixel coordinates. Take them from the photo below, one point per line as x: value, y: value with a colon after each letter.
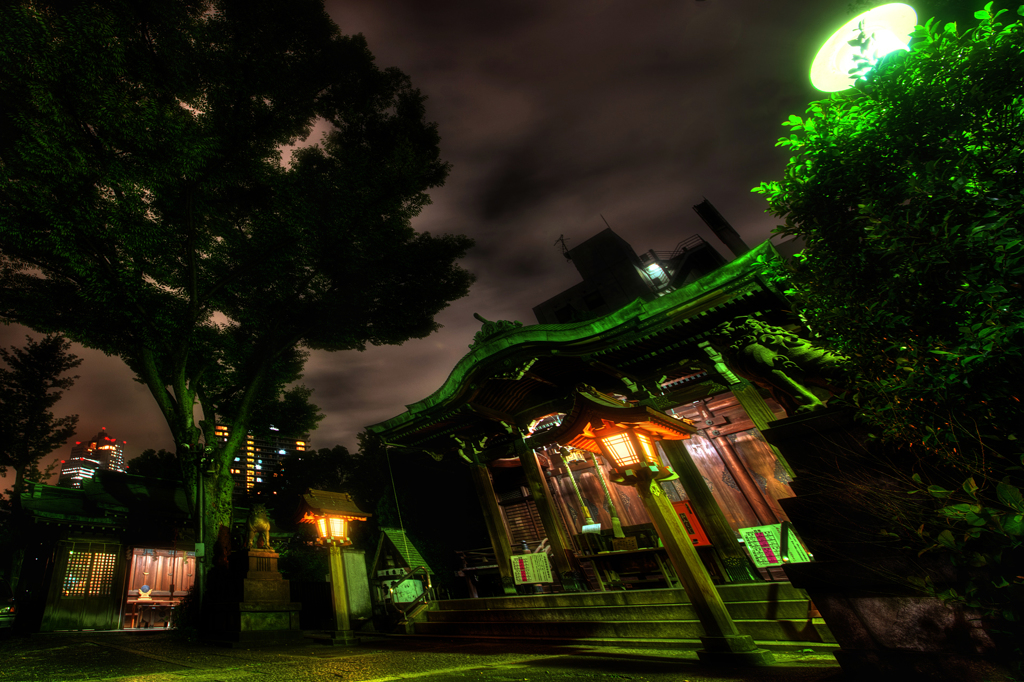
x: 337, y: 527
x: 621, y: 450
x: 877, y: 32
x: 648, y: 446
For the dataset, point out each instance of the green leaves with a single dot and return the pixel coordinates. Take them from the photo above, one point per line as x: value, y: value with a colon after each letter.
x: 905, y: 192
x: 1010, y: 496
x: 971, y: 488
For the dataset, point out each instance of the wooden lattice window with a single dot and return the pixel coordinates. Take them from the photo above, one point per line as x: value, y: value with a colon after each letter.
x: 89, y: 574
x: 102, y: 579
x: 524, y: 523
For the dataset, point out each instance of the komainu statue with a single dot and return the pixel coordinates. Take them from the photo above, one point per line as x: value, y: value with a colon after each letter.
x: 257, y: 527
x: 800, y: 376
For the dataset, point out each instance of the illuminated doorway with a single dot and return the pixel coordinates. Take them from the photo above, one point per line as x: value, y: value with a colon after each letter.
x: 159, y: 580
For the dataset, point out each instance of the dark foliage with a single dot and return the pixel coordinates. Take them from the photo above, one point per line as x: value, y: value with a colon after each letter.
x: 145, y: 210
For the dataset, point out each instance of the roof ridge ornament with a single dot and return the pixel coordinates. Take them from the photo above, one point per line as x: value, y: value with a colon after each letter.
x: 490, y: 329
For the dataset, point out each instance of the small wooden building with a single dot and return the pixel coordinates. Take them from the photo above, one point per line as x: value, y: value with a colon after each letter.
x: 96, y: 548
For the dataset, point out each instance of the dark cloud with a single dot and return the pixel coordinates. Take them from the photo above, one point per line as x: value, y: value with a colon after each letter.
x: 551, y: 113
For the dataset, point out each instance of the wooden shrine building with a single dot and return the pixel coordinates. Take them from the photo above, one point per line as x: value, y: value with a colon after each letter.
x: 509, y: 408
x: 517, y: 383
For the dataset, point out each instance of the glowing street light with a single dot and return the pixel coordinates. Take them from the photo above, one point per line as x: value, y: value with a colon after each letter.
x: 860, y: 43
x: 331, y: 514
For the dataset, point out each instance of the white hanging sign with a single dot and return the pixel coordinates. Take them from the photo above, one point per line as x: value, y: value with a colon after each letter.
x: 528, y: 569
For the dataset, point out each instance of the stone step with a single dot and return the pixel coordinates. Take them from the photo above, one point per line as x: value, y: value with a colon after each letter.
x: 812, y: 630
x: 649, y: 643
x: 768, y: 592
x: 794, y: 609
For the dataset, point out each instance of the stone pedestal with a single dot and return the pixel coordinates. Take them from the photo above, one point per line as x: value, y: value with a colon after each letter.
x: 251, y: 602
x: 860, y: 583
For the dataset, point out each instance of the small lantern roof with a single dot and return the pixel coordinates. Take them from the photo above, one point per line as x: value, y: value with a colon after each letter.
x: 593, y: 412
x: 326, y: 503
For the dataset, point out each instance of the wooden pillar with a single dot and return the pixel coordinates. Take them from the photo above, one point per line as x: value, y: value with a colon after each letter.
x: 495, y: 525
x: 722, y: 641
x: 720, y: 533
x: 759, y: 412
x: 557, y: 536
x: 745, y: 481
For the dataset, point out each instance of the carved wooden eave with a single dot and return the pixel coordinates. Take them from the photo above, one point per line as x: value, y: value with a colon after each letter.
x: 515, y: 376
x: 592, y: 411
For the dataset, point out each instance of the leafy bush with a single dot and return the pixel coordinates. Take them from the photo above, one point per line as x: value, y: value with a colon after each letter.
x: 908, y: 191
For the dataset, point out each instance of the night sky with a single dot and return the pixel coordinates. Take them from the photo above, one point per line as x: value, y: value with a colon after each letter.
x: 551, y: 114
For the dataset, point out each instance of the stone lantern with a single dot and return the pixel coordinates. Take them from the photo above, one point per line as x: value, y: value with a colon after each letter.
x: 331, y: 514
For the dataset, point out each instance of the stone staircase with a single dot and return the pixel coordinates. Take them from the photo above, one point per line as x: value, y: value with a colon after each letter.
x: 768, y: 612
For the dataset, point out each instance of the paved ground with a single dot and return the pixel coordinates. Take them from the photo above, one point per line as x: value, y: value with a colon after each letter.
x: 161, y: 657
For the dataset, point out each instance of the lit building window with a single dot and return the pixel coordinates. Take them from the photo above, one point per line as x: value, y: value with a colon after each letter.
x: 89, y: 574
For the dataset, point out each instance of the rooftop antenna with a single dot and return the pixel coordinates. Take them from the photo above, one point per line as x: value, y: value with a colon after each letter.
x: 565, y: 249
x: 605, y: 221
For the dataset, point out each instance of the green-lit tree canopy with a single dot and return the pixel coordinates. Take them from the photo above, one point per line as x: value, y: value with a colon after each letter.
x: 145, y: 209
x: 909, y: 193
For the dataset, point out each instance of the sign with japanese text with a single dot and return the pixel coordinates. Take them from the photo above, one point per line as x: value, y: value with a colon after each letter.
x: 765, y: 545
x: 528, y: 569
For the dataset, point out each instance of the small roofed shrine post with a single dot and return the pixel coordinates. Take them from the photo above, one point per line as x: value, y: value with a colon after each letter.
x: 558, y: 539
x: 720, y: 533
x: 626, y: 437
x: 495, y: 525
x: 331, y: 514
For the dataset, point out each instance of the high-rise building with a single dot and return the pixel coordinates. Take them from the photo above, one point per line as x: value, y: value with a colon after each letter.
x: 101, y: 452
x: 259, y: 461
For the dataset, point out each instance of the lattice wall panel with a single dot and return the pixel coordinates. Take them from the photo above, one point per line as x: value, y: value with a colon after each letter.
x: 524, y: 524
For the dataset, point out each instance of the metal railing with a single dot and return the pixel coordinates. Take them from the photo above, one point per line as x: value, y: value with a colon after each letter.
x: 421, y: 599
x: 682, y: 247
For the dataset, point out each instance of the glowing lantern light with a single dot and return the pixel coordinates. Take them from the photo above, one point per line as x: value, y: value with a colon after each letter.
x: 860, y: 43
x: 330, y: 513
x: 623, y: 434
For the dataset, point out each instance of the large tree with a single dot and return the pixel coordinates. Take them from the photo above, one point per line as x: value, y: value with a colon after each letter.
x: 30, y: 385
x: 145, y: 209
x: 909, y: 193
